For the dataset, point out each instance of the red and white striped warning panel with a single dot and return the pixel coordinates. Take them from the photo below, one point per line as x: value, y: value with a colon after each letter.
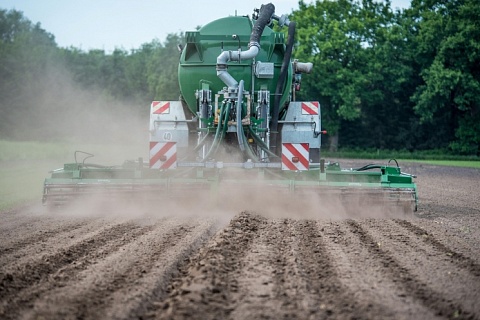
x: 163, y: 155
x: 295, y: 156
x: 160, y: 107
x: 311, y: 108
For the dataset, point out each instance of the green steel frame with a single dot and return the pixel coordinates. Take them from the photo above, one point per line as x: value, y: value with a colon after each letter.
x: 77, y: 179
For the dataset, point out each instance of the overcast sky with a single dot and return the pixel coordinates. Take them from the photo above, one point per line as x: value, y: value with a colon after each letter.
x: 126, y: 24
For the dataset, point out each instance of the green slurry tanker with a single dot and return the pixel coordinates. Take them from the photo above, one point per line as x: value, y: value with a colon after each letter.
x: 237, y: 131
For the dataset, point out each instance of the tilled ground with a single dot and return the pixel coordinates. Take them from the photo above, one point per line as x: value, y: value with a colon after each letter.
x: 248, y: 265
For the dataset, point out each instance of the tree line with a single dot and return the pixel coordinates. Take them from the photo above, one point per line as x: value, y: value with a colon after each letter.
x: 404, y: 79
x: 386, y: 79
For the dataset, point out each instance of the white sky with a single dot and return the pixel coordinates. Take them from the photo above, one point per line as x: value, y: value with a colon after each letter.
x: 126, y: 24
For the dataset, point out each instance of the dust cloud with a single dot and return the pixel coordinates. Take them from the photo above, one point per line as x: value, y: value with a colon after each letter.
x: 273, y: 202
x: 58, y: 109
x: 238, y: 190
x: 68, y: 116
x: 116, y: 131
x: 254, y: 196
x: 141, y: 209
x: 244, y: 190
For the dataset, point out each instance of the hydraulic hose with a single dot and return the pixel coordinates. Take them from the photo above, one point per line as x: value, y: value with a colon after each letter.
x: 224, y: 127
x: 281, y: 81
x: 250, y: 152
x: 368, y: 167
x: 264, y: 16
x: 217, y: 137
x: 261, y: 143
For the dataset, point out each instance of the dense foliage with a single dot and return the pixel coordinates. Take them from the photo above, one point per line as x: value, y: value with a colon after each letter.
x: 405, y: 79
x: 394, y: 79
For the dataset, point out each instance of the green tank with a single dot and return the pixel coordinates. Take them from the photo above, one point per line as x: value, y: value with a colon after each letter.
x: 199, y: 58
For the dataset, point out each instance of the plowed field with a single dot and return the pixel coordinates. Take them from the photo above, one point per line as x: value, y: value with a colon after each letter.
x: 162, y: 264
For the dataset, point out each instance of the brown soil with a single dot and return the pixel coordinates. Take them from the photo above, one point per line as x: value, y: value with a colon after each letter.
x: 80, y: 264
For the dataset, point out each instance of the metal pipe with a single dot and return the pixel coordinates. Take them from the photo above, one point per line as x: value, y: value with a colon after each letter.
x: 227, y: 56
x: 295, y: 122
x: 175, y: 120
x: 240, y: 132
x: 264, y: 16
x: 201, y: 142
x: 302, y: 67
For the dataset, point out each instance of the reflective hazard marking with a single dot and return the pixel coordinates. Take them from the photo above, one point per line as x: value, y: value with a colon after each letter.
x: 310, y: 107
x: 295, y: 156
x: 160, y: 107
x: 163, y: 155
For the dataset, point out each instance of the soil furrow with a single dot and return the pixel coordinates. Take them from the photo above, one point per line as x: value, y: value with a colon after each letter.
x: 427, y: 264
x: 116, y: 286
x: 266, y: 282
x: 138, y: 298
x: 40, y: 236
x: 207, y: 282
x: 462, y: 261
x: 22, y: 284
x: 440, y: 305
x: 365, y: 276
x: 458, y: 229
x: 331, y: 299
x: 17, y: 248
x: 22, y: 217
x: 290, y: 289
x: 43, y: 228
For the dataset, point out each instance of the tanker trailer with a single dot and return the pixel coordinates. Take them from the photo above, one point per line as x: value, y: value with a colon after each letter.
x: 237, y: 133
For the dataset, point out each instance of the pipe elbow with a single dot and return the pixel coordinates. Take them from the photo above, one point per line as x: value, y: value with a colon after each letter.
x: 227, y: 78
x: 223, y: 58
x: 303, y: 67
x: 250, y: 53
x: 265, y: 14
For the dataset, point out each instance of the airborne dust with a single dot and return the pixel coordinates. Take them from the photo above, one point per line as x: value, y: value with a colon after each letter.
x: 89, y: 120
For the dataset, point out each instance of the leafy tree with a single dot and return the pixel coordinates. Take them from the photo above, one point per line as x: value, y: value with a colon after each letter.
x: 328, y: 35
x: 387, y: 120
x: 162, y: 69
x: 447, y: 42
x: 361, y: 72
x: 26, y: 53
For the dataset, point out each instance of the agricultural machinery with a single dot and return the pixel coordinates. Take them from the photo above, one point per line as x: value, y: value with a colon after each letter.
x: 237, y: 131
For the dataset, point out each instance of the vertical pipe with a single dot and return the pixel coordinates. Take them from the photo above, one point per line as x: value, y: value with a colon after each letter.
x: 240, y: 132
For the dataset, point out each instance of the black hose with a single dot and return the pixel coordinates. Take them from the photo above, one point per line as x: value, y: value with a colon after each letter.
x: 281, y: 81
x: 218, y: 133
x: 393, y: 160
x: 261, y: 143
x: 224, y: 130
x: 283, y: 75
x: 264, y: 16
x: 368, y: 167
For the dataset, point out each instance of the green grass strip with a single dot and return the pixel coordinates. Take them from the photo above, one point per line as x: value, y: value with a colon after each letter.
x: 451, y: 163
